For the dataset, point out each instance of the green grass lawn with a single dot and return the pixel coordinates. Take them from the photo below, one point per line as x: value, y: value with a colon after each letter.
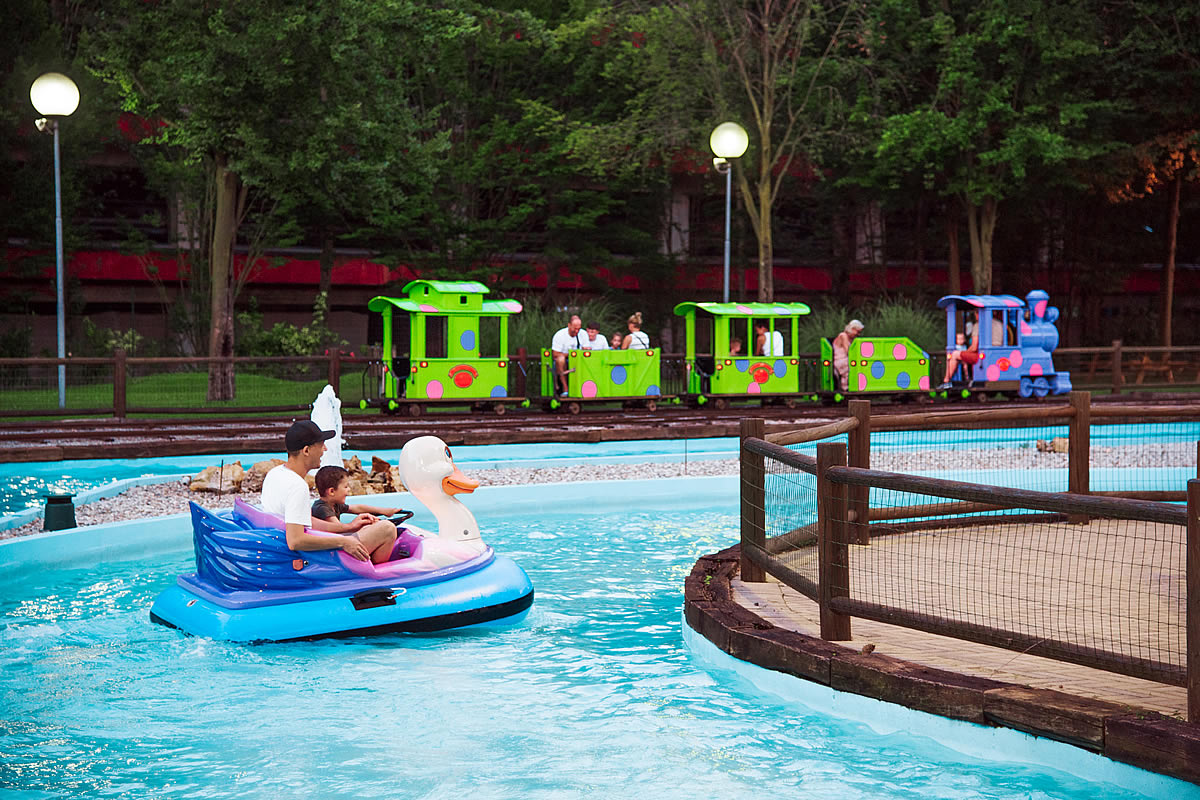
x: 181, y: 389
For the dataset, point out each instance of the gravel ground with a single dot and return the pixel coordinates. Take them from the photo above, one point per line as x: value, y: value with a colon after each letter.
x: 172, y: 498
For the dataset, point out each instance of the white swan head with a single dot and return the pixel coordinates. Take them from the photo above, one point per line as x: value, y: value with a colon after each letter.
x: 428, y: 472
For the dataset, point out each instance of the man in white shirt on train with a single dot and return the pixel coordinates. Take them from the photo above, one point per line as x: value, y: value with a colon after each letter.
x: 565, y: 340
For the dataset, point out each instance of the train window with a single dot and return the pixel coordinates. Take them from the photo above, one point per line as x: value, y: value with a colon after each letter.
x: 740, y: 329
x: 704, y: 334
x: 782, y: 337
x: 489, y: 337
x: 435, y: 337
x: 401, y: 335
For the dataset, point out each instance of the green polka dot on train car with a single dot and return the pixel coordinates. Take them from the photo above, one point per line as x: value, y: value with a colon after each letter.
x: 618, y: 375
x: 742, y: 365
x: 877, y: 369
x: 780, y: 368
x: 467, y: 340
x: 499, y: 391
x: 903, y: 380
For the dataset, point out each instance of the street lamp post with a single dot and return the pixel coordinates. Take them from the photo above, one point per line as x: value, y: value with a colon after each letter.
x: 55, y: 95
x: 728, y: 140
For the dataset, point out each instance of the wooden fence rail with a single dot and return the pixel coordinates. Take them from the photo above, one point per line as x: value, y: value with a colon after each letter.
x: 836, y: 482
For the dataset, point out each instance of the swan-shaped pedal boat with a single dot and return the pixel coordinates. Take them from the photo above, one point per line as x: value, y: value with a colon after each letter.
x: 250, y: 587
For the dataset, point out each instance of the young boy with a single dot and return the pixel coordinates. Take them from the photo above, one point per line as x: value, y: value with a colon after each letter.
x: 333, y: 484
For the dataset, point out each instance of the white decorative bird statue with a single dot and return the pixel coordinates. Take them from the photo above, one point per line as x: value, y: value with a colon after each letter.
x: 428, y: 472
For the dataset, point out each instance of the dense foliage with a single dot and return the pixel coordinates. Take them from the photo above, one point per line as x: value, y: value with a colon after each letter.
x: 1057, y: 139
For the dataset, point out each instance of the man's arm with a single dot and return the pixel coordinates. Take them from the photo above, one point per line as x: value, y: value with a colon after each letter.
x: 300, y: 539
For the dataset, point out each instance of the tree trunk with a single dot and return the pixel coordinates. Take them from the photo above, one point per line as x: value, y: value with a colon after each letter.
x: 220, y: 340
x: 981, y: 226
x: 954, y: 258
x: 919, y: 241
x: 766, y: 249
x: 1168, y: 299
x: 326, y: 261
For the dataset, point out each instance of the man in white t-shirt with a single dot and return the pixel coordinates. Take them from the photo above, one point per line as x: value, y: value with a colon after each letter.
x: 285, y: 493
x: 592, y: 340
x: 565, y: 340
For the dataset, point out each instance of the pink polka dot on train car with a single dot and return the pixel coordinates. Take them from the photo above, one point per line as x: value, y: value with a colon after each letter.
x: 975, y: 303
x: 862, y: 381
x: 1025, y: 329
x: 753, y: 388
x: 899, y: 352
x: 1035, y: 369
x: 924, y: 383
x: 1040, y: 308
x: 588, y: 389
x: 743, y: 309
x: 1011, y: 303
x: 867, y: 349
x: 427, y: 307
x: 993, y: 372
x: 1015, y: 358
x: 434, y: 390
x: 512, y: 305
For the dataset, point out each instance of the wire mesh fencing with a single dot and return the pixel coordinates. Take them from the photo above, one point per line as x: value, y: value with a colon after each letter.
x: 31, y: 386
x: 1096, y: 581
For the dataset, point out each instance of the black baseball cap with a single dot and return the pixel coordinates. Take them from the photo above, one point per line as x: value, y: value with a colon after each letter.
x: 303, y: 433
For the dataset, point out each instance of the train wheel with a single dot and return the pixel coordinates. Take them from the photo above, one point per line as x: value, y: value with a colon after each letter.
x: 574, y: 408
x: 651, y: 405
x: 414, y: 409
x: 1041, y: 387
x: 499, y: 408
x: 1025, y: 388
x: 791, y: 402
x: 721, y: 403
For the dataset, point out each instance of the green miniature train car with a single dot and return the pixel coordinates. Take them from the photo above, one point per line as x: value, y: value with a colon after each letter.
x: 742, y: 351
x: 449, y: 345
x: 878, y: 364
x: 628, y: 376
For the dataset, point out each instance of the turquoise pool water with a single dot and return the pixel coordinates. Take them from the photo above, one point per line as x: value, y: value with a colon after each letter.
x: 595, y: 695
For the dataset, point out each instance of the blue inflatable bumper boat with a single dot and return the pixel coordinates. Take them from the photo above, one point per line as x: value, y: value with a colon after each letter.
x: 250, y: 587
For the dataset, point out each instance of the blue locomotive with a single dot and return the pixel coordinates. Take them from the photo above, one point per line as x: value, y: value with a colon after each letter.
x: 1012, y: 340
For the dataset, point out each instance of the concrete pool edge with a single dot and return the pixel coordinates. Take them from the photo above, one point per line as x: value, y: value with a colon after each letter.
x: 1143, y: 739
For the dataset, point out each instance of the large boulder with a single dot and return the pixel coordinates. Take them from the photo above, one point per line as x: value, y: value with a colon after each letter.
x: 254, y: 476
x: 222, y: 480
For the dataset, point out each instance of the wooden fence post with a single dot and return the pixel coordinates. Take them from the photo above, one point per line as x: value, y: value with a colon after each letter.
x: 335, y: 369
x: 119, y: 383
x: 1118, y: 377
x: 1193, y: 601
x: 754, y: 497
x: 833, y: 565
x: 1079, y: 450
x: 859, y: 455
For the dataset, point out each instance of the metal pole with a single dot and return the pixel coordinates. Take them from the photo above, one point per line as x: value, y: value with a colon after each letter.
x: 728, y: 187
x: 58, y: 238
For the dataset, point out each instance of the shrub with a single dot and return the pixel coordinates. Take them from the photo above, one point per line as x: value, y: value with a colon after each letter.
x: 284, y: 338
x: 924, y: 325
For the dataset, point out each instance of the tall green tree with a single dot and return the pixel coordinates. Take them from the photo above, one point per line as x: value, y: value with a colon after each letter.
x: 1013, y: 105
x: 1153, y: 65
x: 771, y: 65
x: 275, y: 106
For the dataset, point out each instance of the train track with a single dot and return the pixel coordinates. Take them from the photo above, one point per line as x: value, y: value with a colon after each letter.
x: 146, y: 438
